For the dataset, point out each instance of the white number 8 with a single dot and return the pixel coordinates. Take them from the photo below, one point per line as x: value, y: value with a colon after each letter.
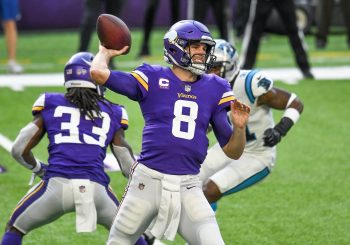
x: 181, y: 118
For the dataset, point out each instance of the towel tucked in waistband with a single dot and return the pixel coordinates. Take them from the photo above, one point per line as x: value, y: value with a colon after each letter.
x: 86, y: 215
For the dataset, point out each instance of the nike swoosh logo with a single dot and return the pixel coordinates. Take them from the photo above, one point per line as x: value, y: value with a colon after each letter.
x: 87, y: 62
x: 190, y: 187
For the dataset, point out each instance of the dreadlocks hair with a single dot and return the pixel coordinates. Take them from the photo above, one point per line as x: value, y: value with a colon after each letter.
x: 86, y: 99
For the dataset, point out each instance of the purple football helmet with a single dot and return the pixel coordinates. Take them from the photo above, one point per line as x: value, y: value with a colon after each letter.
x: 77, y: 73
x: 181, y: 35
x: 226, y: 58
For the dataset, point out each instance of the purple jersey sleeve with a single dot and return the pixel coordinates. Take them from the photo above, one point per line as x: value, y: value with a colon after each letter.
x: 122, y: 117
x: 222, y: 127
x: 124, y: 83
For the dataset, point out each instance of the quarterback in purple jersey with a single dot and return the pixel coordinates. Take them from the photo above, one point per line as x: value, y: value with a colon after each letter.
x: 80, y: 125
x: 178, y: 103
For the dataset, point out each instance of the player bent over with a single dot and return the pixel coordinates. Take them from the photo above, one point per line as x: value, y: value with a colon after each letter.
x: 80, y: 125
x: 223, y: 176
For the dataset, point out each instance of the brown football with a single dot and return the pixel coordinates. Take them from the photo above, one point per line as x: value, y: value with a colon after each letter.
x: 113, y: 32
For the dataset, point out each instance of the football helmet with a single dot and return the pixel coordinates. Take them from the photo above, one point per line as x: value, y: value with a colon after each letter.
x: 180, y: 36
x: 226, y: 59
x: 77, y: 73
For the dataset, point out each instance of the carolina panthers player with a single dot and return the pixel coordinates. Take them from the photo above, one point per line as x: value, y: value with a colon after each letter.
x: 223, y: 176
x: 80, y: 125
x: 177, y: 103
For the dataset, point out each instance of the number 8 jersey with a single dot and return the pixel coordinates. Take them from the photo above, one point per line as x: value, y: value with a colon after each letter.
x: 177, y: 115
x: 77, y: 145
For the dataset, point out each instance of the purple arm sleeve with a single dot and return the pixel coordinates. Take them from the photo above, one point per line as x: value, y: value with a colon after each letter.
x: 221, y: 127
x: 124, y: 83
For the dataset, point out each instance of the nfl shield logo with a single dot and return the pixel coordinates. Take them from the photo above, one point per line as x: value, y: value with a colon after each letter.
x: 82, y: 189
x: 187, y: 88
x: 141, y: 186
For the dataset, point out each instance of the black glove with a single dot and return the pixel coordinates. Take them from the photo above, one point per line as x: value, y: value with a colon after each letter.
x: 272, y: 136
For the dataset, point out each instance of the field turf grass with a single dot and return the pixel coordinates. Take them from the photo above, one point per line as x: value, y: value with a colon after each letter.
x: 304, y: 201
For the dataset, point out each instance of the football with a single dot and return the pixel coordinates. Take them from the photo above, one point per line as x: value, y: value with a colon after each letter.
x: 112, y: 32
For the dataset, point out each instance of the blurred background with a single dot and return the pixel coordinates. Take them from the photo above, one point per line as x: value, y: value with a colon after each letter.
x: 66, y: 14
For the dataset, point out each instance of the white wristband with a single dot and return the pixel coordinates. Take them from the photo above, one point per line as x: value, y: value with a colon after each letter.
x: 291, y: 99
x: 292, y: 114
x: 37, y: 167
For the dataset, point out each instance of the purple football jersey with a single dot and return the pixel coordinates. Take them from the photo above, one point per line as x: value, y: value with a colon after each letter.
x: 77, y: 145
x: 177, y: 115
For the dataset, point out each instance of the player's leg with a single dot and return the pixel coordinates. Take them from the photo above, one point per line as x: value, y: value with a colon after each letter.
x: 236, y: 176
x: 88, y: 23
x: 41, y: 205
x: 345, y: 6
x: 258, y: 15
x: 215, y: 160
x: 9, y: 14
x: 296, y: 37
x: 325, y: 12
x: 219, y: 9
x: 106, y: 204
x: 137, y: 209
x: 198, y: 223
x: 148, y: 25
x: 175, y: 11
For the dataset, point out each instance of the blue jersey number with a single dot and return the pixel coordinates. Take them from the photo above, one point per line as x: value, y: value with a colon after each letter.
x: 249, y: 136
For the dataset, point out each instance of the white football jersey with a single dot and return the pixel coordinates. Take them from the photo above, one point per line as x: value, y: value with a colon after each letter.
x: 248, y: 86
x: 257, y: 160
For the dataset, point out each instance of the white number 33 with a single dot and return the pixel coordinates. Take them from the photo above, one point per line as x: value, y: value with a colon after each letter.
x: 73, y: 128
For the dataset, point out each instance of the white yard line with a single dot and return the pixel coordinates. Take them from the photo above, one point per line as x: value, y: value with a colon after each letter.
x: 5, y: 143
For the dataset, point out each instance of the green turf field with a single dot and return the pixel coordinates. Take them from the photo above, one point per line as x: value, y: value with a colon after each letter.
x: 48, y: 51
x: 304, y: 201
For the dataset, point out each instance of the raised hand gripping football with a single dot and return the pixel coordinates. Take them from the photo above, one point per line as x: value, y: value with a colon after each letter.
x: 239, y: 114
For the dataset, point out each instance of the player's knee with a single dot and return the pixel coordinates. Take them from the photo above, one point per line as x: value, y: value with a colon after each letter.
x: 212, y: 192
x: 130, y: 216
x: 197, y: 209
x: 210, y: 234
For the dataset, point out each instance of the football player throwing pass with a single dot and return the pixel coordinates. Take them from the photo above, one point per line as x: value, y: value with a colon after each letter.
x: 177, y: 104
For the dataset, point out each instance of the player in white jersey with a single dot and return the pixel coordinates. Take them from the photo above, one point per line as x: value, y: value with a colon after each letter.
x: 221, y: 175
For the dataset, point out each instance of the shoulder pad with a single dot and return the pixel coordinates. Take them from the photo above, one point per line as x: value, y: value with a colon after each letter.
x: 39, y: 104
x: 260, y: 84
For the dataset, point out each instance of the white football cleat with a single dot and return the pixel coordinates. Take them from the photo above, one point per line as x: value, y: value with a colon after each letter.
x: 14, y: 67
